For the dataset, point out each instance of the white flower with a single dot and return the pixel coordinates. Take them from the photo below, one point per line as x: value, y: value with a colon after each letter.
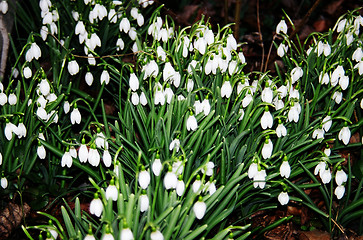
x: 75, y: 116
x: 231, y: 42
x: 324, y: 78
x: 190, y: 85
x: 336, y: 75
x: 157, y: 166
x: 41, y: 152
x: 73, y: 151
x: 4, y: 182
x: 180, y: 187
x: 282, y: 49
x: 337, y: 97
x: 252, y: 170
x: 89, y: 237
x: 327, y: 122
x: 211, y: 187
x: 267, y: 95
x: 88, y: 78
x: 105, y: 77
x: 133, y: 82
x: 42, y: 114
x: 96, y: 206
x: 91, y: 60
x: 196, y: 185
x: 267, y: 148
x: 175, y: 144
x: 135, y: 98
x: 319, y: 168
x: 132, y: 33
x: 144, y: 178
x: 192, y: 123
x: 120, y: 45
x: 168, y: 93
x: 344, y: 135
x: 208, y: 169
x: 327, y: 151
x: 344, y: 82
x: 285, y: 169
x: 156, y: 235
x: 357, y: 55
x: 66, y: 107
x: 21, y: 130
x: 100, y: 140
x: 283, y: 198
x: 143, y: 99
x: 144, y: 203
x: 293, y: 114
x: 112, y: 16
x: 12, y: 99
x: 296, y: 74
x: 83, y: 153
x: 66, y: 159
x: 340, y: 177
x: 247, y: 100
x: 339, y: 191
x: 107, y: 236
x: 4, y: 7
x: 281, y: 130
x: 73, y: 67
x: 266, y: 119
x: 125, y: 25
x: 126, y: 234
x: 107, y: 159
x: 111, y: 191
x: 199, y: 208
x: 27, y: 72
x: 226, y: 89
x: 33, y: 52
x: 10, y: 128
x: 318, y: 133
x: 325, y: 176
x: 3, y: 99
x: 259, y: 180
x: 281, y: 27
x: 341, y: 25
x: 170, y: 180
x: 94, y: 157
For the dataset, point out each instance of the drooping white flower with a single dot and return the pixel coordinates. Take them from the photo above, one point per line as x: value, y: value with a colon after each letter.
x: 296, y: 74
x: 283, y: 198
x: 126, y: 234
x: 281, y: 27
x: 4, y: 7
x: 226, y: 89
x: 41, y: 151
x: 111, y: 191
x: 3, y: 99
x: 132, y: 33
x: 125, y: 25
x: 144, y: 202
x: 336, y: 75
x: 318, y: 133
x: 293, y: 114
x: 281, y: 130
x: 73, y: 67
x: 267, y: 148
x: 66, y: 159
x: 135, y: 98
x: 247, y: 99
x: 211, y: 187
x: 100, y: 140
x: 133, y: 82
x: 21, y: 129
x: 157, y: 166
x: 156, y: 235
x: 208, y: 169
x: 319, y: 168
x: 326, y: 123
x: 267, y: 95
x: 325, y: 176
x: 337, y: 97
x: 106, y: 157
x: 75, y: 116
x: 144, y: 178
x: 231, y: 42
x: 178, y: 167
x: 12, y: 99
x: 105, y: 77
x: 324, y: 78
x: 143, y: 99
x: 27, y: 72
x: 282, y: 49
x: 170, y: 180
x: 192, y: 123
x: 266, y: 119
x: 252, y: 170
x: 4, y: 182
x: 168, y: 93
x: 285, y: 169
x: 88, y: 78
x: 180, y: 186
x: 340, y: 177
x: 9, y: 129
x: 357, y: 55
x: 344, y: 134
x: 259, y: 180
x: 341, y: 25
x: 344, y: 82
x: 159, y: 96
x: 339, y: 191
x: 96, y: 206
x: 83, y: 152
x: 197, y: 185
x: 94, y: 157
x: 107, y: 236
x: 199, y: 208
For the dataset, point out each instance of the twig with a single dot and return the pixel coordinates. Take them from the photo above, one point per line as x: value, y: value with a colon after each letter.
x: 269, y: 52
x: 237, y: 19
x: 304, y: 20
x: 260, y: 33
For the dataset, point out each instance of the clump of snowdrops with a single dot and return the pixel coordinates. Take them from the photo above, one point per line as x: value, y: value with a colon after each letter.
x: 195, y: 141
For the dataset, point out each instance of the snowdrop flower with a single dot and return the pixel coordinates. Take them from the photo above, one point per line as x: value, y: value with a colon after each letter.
x: 144, y: 178
x: 327, y: 122
x: 247, y: 99
x: 349, y: 38
x: 42, y: 114
x: 211, y: 187
x: 281, y: 27
x: 231, y: 43
x: 91, y: 60
x: 120, y: 45
x: 89, y: 236
x: 143, y: 99
x: 281, y: 130
x: 66, y: 107
x: 336, y: 75
x: 135, y: 98
x: 208, y: 169
x: 360, y: 67
x: 125, y: 25
x: 88, y: 78
x: 156, y: 235
x: 112, y: 16
x: 266, y: 119
x: 323, y: 48
x: 27, y: 72
x: 41, y: 151
x: 199, y: 208
x: 66, y: 159
x: 337, y: 97
x: 339, y: 191
x: 73, y: 67
x: 83, y: 152
x: 75, y: 115
x: 282, y: 49
x: 105, y: 77
x: 319, y: 168
x: 344, y: 134
x: 285, y: 168
x: 267, y: 148
x: 111, y: 191
x: 107, y: 159
x: 33, y: 52
x: 4, y: 182
x: 192, y: 123
x: 344, y: 82
x: 180, y: 186
x: 126, y: 234
x: 267, y: 95
x: 93, y: 156
x: 3, y: 99
x: 21, y: 129
x: 252, y: 170
x: 170, y: 180
x: 12, y: 99
x: 226, y: 89
x: 293, y: 114
x: 96, y: 206
x: 178, y: 167
x: 327, y: 150
x: 4, y: 7
x: 206, y: 106
x: 340, y: 176
x: 10, y: 128
x: 196, y: 185
x: 357, y: 55
x: 144, y: 202
x: 175, y: 144
x: 168, y: 93
x: 296, y: 74
x: 318, y: 133
x: 133, y: 82
x: 100, y: 140
x: 190, y: 85
x: 157, y: 166
x: 259, y: 180
x: 325, y: 176
x: 324, y: 78
x: 341, y: 25
x: 361, y: 103
x: 283, y: 198
x: 159, y: 97
x: 132, y: 33
x: 201, y: 45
